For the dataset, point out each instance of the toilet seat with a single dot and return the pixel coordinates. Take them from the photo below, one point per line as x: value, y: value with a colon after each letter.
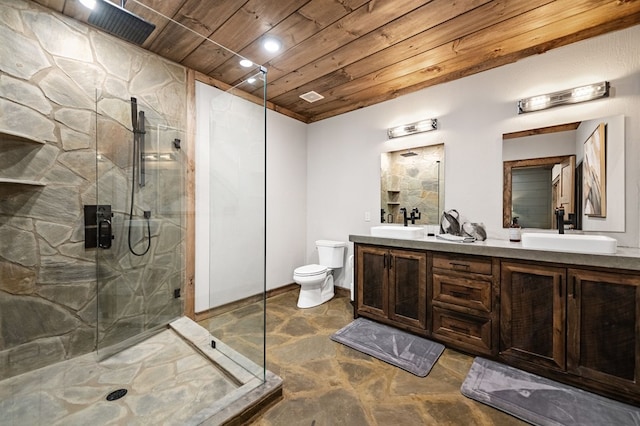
x: 310, y: 270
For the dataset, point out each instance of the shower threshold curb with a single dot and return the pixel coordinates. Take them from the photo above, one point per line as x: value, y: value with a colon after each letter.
x: 253, y: 394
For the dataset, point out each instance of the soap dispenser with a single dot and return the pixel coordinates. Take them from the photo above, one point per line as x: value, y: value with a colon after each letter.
x: 514, y: 230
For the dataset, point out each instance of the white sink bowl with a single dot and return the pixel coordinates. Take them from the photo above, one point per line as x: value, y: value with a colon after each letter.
x: 398, y: 231
x: 595, y: 244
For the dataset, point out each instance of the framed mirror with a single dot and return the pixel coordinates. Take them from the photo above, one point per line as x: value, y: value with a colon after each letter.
x: 533, y: 188
x: 545, y: 154
x: 412, y: 179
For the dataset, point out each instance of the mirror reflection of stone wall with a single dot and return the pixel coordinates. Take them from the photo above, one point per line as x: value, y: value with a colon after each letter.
x: 412, y: 181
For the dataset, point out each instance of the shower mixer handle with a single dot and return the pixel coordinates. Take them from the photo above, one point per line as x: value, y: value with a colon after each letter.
x: 105, y: 230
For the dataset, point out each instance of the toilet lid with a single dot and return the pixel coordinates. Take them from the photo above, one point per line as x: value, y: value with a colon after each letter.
x: 307, y: 270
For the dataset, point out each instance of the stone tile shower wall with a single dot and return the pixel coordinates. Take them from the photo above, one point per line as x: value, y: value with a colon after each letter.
x: 51, y: 68
x: 412, y: 182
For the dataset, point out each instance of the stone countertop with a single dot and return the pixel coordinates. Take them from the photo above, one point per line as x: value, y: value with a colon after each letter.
x: 624, y: 258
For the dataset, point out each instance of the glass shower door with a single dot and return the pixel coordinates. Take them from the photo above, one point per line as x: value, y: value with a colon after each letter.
x: 140, y: 222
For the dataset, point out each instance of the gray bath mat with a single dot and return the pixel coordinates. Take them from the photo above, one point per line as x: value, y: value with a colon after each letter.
x: 396, y: 347
x: 541, y: 401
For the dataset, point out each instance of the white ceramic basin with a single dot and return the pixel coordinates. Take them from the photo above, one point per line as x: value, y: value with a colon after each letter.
x: 398, y: 231
x: 596, y: 244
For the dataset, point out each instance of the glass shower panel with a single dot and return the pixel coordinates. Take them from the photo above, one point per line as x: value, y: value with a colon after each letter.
x: 140, y: 215
x: 237, y: 221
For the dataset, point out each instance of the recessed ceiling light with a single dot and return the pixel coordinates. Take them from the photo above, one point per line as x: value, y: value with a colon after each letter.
x: 271, y: 44
x: 311, y: 96
x: 246, y: 63
x: 251, y: 80
x: 90, y: 4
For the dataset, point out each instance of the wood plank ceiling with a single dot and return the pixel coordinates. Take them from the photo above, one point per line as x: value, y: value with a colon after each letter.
x: 358, y: 53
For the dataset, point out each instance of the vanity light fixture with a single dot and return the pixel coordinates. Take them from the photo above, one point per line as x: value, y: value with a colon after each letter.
x: 570, y: 96
x: 413, y: 128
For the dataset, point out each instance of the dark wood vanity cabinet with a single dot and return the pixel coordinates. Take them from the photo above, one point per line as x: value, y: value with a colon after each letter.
x: 603, y: 324
x: 533, y: 314
x: 575, y: 324
x: 464, y: 290
x: 392, y: 286
x: 576, y: 321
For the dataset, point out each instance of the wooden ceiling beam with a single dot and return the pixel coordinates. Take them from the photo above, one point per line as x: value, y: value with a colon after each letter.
x: 299, y: 26
x: 455, y: 68
x: 475, y: 20
x: 242, y: 28
x: 405, y: 27
x: 159, y: 9
x: 202, y: 19
x: 347, y: 29
x: 558, y: 22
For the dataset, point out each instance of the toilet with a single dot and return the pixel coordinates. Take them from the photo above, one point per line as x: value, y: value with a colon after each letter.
x: 316, y: 281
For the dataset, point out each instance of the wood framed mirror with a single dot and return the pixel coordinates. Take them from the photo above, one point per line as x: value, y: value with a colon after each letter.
x: 533, y: 188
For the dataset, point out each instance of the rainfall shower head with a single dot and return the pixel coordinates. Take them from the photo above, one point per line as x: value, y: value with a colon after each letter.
x: 409, y: 154
x: 120, y: 22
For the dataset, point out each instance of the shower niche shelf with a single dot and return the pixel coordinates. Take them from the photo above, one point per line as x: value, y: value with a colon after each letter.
x: 7, y: 136
x: 11, y: 187
x: 393, y: 198
x: 21, y: 182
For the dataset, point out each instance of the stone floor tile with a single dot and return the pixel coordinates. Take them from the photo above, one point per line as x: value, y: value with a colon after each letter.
x: 326, y: 383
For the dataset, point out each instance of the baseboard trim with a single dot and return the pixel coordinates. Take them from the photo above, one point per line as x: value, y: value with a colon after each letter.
x: 219, y: 310
x: 281, y: 290
x: 342, y: 292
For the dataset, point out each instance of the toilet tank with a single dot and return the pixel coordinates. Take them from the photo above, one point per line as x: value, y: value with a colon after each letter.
x: 331, y: 253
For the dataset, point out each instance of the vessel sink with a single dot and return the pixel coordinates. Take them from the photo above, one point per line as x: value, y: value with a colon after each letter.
x: 595, y: 244
x: 398, y: 231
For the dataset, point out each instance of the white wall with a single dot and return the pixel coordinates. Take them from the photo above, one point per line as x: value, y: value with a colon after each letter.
x: 230, y: 202
x: 286, y: 197
x: 473, y: 113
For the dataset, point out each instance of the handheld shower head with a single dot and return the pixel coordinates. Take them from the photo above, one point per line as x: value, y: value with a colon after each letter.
x: 134, y: 114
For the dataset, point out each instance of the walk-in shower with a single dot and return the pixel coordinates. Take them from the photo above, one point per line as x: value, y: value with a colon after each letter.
x: 141, y: 274
x: 108, y: 314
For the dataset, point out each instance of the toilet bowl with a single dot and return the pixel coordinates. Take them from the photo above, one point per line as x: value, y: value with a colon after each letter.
x: 316, y: 280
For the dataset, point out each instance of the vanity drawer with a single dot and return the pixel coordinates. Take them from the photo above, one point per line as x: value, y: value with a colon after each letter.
x: 462, y: 291
x: 473, y: 264
x: 464, y: 331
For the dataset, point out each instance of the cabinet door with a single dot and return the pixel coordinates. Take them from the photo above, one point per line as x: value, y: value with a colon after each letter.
x: 372, y: 280
x: 533, y: 314
x: 408, y: 288
x: 603, y: 325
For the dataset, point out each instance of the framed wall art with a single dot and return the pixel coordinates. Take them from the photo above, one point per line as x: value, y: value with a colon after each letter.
x: 594, y: 173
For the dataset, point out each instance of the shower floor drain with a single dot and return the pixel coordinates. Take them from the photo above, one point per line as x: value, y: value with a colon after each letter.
x: 116, y: 394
